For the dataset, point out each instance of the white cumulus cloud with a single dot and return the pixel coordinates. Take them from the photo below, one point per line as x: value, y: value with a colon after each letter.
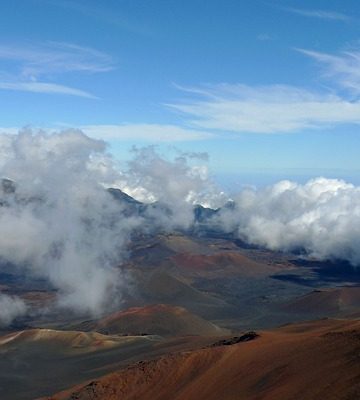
x: 58, y: 222
x: 320, y: 218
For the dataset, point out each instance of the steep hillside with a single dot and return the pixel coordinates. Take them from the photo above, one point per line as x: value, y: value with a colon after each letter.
x: 307, y: 361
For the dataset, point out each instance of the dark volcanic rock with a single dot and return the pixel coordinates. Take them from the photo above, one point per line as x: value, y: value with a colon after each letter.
x: 246, y: 337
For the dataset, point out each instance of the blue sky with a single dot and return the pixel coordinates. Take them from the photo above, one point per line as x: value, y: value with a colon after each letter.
x: 270, y: 89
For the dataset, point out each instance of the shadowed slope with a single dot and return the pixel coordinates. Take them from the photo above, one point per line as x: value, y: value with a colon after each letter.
x: 35, y: 361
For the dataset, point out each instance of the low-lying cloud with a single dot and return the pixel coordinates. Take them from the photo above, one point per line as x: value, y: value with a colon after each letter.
x: 176, y: 184
x: 59, y: 223
x: 56, y: 219
x: 320, y: 218
x: 11, y: 307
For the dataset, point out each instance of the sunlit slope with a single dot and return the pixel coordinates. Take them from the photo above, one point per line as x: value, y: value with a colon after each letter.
x: 318, y: 360
x: 330, y: 301
x: 159, y: 319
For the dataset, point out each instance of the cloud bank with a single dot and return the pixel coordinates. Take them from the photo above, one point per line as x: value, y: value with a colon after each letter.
x: 58, y: 222
x: 320, y: 218
x: 174, y: 186
x: 56, y: 219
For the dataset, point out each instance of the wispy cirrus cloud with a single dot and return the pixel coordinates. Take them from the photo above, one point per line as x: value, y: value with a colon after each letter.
x: 101, y: 13
x: 321, y: 14
x: 56, y: 58
x: 264, y: 37
x: 343, y: 68
x: 145, y: 132
x: 237, y: 108
x: 128, y: 132
x: 29, y: 68
x: 43, y: 87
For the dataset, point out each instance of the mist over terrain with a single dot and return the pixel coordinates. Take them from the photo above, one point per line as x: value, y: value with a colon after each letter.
x: 321, y: 218
x: 59, y: 223
x: 10, y: 308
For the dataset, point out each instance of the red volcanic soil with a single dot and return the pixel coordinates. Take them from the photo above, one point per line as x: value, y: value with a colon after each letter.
x: 223, y: 263
x: 159, y: 319
x: 327, y: 301
x: 318, y: 360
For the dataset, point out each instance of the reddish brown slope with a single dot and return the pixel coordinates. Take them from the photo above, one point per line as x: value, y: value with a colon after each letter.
x: 158, y: 319
x: 307, y: 361
x: 224, y: 263
x: 327, y: 301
